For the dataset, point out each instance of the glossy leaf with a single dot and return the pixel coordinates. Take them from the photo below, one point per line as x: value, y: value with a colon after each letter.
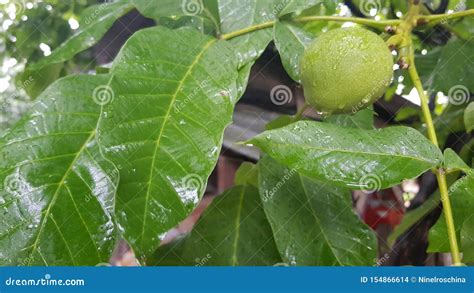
x: 356, y: 158
x: 173, y: 95
x: 469, y: 117
x: 313, y: 223
x: 233, y: 231
x: 57, y: 195
x: 95, y: 21
x: 452, y: 161
x: 461, y: 195
x: 291, y: 42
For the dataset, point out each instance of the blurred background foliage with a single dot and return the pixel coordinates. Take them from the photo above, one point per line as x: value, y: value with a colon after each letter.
x: 30, y: 30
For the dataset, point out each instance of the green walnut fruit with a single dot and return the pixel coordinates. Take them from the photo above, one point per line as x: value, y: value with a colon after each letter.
x: 345, y: 70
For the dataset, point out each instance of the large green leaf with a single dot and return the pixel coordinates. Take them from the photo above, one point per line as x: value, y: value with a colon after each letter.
x: 233, y: 231
x: 313, y: 223
x: 291, y: 42
x: 58, y: 192
x: 95, y: 21
x: 356, y: 158
x: 174, y: 95
x: 461, y: 195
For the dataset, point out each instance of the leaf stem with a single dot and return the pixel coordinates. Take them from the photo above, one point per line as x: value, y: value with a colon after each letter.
x: 364, y: 21
x: 440, y: 174
x: 359, y: 20
x: 433, y: 19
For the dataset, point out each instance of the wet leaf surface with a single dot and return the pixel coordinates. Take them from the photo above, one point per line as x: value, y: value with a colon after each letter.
x: 57, y: 194
x: 356, y: 158
x: 158, y: 128
x: 233, y: 231
x: 313, y: 222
